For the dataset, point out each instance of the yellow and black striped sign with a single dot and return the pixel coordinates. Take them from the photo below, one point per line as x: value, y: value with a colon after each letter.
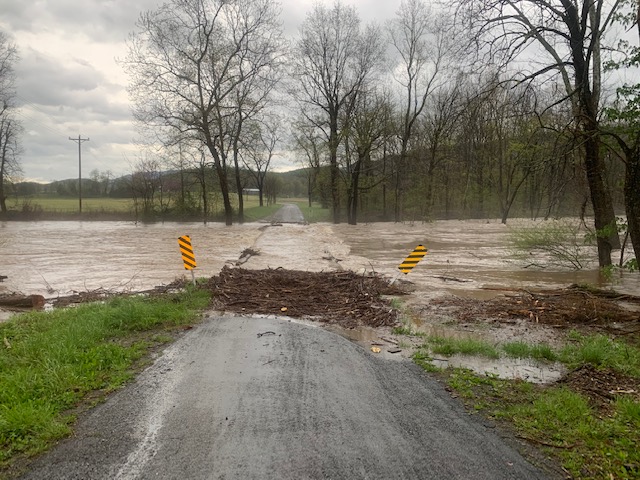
x: 413, y: 259
x: 186, y: 250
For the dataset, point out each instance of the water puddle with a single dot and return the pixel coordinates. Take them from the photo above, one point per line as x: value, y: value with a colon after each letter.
x: 505, y: 368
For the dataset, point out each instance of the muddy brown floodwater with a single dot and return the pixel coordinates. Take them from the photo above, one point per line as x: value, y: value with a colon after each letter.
x: 469, y: 259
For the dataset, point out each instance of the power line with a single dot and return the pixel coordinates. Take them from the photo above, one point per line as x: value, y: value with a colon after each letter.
x: 79, y: 140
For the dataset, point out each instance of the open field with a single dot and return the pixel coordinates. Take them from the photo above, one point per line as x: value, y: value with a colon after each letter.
x: 70, y: 205
x: 94, y: 207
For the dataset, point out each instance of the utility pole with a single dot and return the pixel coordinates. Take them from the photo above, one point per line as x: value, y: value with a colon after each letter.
x: 79, y: 140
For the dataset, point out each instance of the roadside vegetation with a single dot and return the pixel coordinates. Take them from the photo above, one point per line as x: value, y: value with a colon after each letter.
x: 55, y: 364
x: 589, y: 422
x: 566, y: 243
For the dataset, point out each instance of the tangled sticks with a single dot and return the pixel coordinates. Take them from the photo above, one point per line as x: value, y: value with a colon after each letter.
x: 345, y: 297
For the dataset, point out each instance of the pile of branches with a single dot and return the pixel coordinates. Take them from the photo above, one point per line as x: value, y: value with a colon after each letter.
x: 344, y: 297
x: 560, y: 308
x: 602, y: 386
x: 101, y: 294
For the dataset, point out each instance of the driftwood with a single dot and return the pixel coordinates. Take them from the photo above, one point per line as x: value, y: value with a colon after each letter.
x: 18, y: 301
x: 342, y: 297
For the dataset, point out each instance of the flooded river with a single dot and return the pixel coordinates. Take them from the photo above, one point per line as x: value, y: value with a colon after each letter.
x: 465, y: 257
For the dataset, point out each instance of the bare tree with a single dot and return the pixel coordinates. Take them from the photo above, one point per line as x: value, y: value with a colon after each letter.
x: 369, y: 127
x: 10, y: 131
x: 421, y: 39
x: 145, y: 185
x: 557, y: 37
x: 189, y: 60
x: 260, y: 150
x: 10, y: 128
x: 308, y: 139
x: 438, y: 125
x: 333, y: 60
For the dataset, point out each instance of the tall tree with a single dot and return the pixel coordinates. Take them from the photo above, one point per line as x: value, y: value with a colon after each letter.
x: 557, y: 37
x: 308, y: 140
x: 10, y: 131
x: 333, y: 60
x: 438, y: 127
x: 260, y: 148
x: 422, y: 43
x: 625, y: 118
x: 367, y: 133
x: 10, y: 128
x: 187, y: 62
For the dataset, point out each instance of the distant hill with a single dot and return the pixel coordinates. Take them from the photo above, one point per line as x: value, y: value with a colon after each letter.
x: 292, y: 183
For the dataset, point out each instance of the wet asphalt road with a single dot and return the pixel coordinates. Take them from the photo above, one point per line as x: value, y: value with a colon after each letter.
x: 231, y: 400
x: 289, y: 213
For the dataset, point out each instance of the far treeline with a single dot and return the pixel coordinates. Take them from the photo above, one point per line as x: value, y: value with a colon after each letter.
x: 477, y: 108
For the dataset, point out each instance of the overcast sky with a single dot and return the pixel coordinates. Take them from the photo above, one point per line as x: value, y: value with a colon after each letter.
x: 69, y: 83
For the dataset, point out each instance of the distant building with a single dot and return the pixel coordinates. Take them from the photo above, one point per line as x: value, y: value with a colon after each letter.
x: 250, y: 191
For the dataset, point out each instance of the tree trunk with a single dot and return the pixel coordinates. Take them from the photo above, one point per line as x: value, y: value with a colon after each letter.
x: 604, y: 215
x: 236, y: 170
x: 15, y: 300
x: 353, y: 194
x: 3, y: 197
x: 222, y: 177
x: 333, y: 167
x: 632, y: 198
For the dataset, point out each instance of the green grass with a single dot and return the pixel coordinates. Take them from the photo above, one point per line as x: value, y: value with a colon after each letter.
x: 49, y: 361
x: 462, y: 346
x: 105, y: 205
x: 255, y: 213
x: 587, y: 442
x: 589, y: 445
x: 70, y: 205
x: 597, y: 350
x: 313, y: 214
x: 402, y: 330
x: 602, y: 351
x: 526, y: 350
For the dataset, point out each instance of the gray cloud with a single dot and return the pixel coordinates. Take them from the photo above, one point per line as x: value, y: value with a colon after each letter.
x: 69, y: 83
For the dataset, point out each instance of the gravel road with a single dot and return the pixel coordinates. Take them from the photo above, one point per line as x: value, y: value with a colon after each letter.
x: 268, y: 398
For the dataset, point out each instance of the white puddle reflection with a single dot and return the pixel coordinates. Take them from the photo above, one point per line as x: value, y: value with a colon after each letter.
x: 506, y: 368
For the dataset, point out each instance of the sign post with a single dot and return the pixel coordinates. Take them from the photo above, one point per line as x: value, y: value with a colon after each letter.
x: 413, y: 259
x: 188, y: 257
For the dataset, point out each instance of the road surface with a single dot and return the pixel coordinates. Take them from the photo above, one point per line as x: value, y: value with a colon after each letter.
x: 268, y: 398
x: 288, y: 213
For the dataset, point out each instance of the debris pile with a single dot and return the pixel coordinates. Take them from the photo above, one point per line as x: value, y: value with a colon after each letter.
x: 569, y: 307
x: 343, y: 297
x: 602, y: 386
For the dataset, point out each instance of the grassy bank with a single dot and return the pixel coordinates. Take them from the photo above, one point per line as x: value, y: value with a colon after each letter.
x: 51, y: 361
x: 589, y: 427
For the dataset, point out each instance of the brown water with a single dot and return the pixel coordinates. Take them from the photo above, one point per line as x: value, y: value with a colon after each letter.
x: 465, y: 257
x: 468, y: 258
x: 60, y: 257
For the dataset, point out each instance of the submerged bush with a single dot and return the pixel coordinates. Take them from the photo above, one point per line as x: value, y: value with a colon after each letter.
x: 560, y: 243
